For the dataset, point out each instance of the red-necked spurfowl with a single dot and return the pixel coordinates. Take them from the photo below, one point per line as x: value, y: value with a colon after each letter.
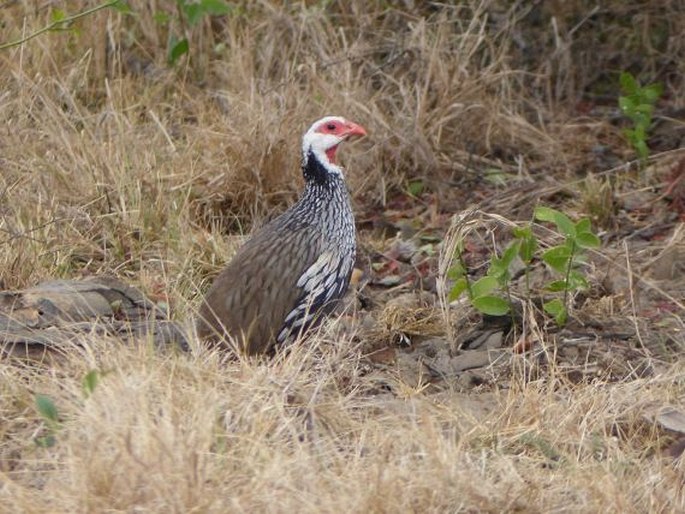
x: 294, y: 269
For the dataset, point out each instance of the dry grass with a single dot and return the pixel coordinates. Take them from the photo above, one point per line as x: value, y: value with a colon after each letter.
x: 311, y: 433
x: 113, y: 162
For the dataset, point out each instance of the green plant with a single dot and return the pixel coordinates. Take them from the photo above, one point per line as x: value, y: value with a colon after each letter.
x: 190, y: 14
x: 637, y: 103
x: 47, y: 409
x: 566, y: 258
x: 90, y: 382
x: 490, y: 294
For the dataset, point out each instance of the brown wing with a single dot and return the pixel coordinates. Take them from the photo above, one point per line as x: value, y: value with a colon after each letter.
x: 254, y: 293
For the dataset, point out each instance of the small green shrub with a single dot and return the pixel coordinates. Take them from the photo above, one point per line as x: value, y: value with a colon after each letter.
x: 637, y: 103
x: 490, y: 294
x: 191, y: 13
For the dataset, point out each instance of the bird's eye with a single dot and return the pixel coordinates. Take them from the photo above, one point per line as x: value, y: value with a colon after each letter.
x: 331, y: 126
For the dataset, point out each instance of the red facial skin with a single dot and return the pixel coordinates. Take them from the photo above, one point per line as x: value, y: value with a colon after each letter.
x: 342, y: 129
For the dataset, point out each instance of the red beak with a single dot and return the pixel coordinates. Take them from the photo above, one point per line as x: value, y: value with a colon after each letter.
x: 352, y: 129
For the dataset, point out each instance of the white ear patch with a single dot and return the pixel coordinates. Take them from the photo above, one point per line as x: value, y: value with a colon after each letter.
x: 318, y: 142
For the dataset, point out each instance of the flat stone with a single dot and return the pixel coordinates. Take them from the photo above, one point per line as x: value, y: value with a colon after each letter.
x: 494, y: 341
x: 473, y: 359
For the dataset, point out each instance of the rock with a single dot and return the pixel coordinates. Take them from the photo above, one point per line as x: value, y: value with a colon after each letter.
x: 487, y: 340
x: 402, y: 250
x: 668, y: 265
x: 409, y: 301
x: 473, y: 359
x: 471, y: 379
x: 668, y: 418
x: 389, y: 281
x: 56, y: 313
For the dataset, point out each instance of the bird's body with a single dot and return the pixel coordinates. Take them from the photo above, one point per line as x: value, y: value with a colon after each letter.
x: 293, y: 270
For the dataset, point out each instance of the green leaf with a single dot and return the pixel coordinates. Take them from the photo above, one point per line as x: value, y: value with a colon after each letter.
x: 491, y: 305
x: 645, y: 110
x: 499, y: 273
x: 57, y: 15
x: 570, y: 244
x: 577, y: 280
x: 427, y: 249
x: 579, y: 258
x: 178, y: 48
x: 499, y: 266
x: 456, y: 272
x: 557, y: 286
x: 46, y: 441
x: 483, y: 286
x: 642, y: 149
x: 458, y: 288
x: 510, y: 253
x: 626, y: 104
x: 588, y: 240
x: 628, y: 83
x: 522, y: 232
x: 415, y: 187
x: 194, y: 12
x: 557, y: 309
x: 564, y: 224
x: 216, y: 7
x: 653, y: 92
x: 497, y: 177
x: 528, y: 244
x: 557, y: 258
x: 639, y: 132
x: 584, y: 226
x: 90, y: 382
x: 528, y: 248
x: 47, y: 409
x: 161, y: 18
x: 543, y: 213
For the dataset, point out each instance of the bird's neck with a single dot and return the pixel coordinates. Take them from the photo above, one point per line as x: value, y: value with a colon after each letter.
x: 319, y: 170
x: 325, y: 190
x: 325, y: 201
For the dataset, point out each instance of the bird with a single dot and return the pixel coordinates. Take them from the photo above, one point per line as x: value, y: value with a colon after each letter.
x: 293, y: 271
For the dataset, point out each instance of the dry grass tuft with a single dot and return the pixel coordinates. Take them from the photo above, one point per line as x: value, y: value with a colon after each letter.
x: 114, y: 162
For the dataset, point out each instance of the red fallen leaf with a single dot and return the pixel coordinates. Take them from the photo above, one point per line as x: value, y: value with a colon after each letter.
x: 667, y: 306
x: 385, y: 355
x: 522, y: 345
x: 158, y: 292
x: 657, y: 312
x: 424, y: 268
x: 584, y: 107
x: 389, y: 267
x: 401, y: 203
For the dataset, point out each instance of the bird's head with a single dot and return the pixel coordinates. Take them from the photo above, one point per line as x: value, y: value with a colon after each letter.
x: 324, y: 136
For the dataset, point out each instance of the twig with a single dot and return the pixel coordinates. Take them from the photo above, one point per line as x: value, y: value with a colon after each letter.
x: 57, y: 24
